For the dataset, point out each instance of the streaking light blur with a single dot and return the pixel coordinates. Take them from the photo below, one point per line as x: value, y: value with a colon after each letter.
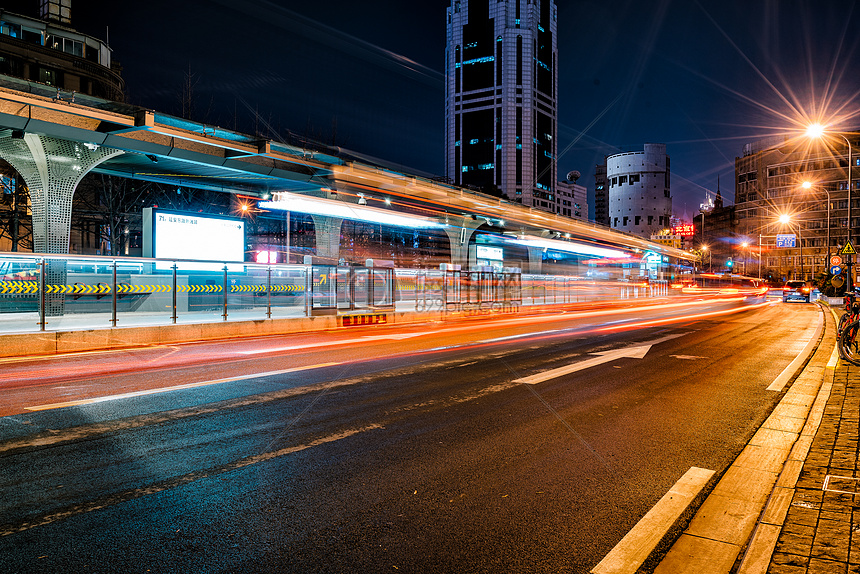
x: 569, y: 247
x: 319, y: 206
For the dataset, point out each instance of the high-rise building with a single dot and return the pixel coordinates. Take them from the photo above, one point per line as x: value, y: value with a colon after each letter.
x: 639, y: 198
x: 807, y: 183
x: 571, y: 199
x: 601, y: 194
x: 501, y: 98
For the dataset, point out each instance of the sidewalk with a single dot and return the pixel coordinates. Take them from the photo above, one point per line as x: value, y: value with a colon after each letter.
x: 821, y: 533
x: 790, y: 503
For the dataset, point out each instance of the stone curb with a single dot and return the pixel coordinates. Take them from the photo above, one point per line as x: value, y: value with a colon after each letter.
x: 742, y: 517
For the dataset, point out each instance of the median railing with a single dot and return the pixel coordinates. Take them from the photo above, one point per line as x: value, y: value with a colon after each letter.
x: 68, y: 292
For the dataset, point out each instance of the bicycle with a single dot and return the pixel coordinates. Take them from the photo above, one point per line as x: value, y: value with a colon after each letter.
x: 847, y: 330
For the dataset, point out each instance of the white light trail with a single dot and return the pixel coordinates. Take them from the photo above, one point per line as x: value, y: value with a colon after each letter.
x: 333, y: 208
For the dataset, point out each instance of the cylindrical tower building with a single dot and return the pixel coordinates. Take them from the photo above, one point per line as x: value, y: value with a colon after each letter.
x: 639, y: 198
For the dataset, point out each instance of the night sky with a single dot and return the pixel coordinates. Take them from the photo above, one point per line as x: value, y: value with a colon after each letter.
x: 702, y: 77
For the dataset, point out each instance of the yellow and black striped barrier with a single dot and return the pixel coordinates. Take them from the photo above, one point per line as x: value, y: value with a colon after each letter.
x: 288, y: 288
x: 199, y: 288
x: 78, y: 289
x: 262, y: 289
x: 126, y: 289
x: 19, y: 286
x: 247, y: 288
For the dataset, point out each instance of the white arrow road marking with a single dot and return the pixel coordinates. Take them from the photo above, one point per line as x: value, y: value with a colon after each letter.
x: 637, y: 352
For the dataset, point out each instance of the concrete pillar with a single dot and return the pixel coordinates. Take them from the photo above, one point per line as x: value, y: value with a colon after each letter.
x: 327, y: 231
x: 535, y: 260
x: 459, y: 238
x: 52, y: 169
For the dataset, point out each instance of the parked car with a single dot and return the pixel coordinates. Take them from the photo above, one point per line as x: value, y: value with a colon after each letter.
x: 796, y: 290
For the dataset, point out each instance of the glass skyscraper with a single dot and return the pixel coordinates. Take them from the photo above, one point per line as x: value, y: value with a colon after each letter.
x: 501, y: 98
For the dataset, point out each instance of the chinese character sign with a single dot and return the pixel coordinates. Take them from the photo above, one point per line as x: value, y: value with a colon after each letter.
x: 684, y: 229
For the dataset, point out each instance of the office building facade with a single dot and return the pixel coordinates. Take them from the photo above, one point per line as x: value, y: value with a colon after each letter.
x: 571, y: 200
x: 807, y: 181
x: 601, y: 194
x: 501, y: 98
x: 48, y: 51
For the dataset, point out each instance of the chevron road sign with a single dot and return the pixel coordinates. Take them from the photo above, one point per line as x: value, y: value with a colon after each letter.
x: 125, y: 289
x: 19, y: 286
x: 199, y: 288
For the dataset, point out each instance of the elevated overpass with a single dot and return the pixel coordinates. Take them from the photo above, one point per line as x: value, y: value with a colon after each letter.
x: 53, y: 139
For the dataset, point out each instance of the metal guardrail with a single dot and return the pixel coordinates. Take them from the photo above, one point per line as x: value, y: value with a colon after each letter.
x: 69, y: 292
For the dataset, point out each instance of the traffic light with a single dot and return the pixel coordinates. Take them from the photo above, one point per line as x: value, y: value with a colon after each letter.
x: 729, y: 262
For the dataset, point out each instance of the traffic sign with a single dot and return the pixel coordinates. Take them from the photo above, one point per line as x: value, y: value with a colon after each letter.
x: 848, y: 249
x: 835, y: 270
x: 835, y: 260
x: 785, y: 240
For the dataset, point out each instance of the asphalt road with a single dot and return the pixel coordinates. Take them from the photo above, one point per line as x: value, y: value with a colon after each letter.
x: 429, y: 448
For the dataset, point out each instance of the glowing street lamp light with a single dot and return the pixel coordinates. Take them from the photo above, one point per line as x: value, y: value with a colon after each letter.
x: 808, y: 185
x: 815, y: 131
x: 785, y: 219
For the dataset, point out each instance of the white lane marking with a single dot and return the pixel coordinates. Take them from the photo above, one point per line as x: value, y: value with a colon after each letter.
x: 637, y: 352
x: 687, y: 357
x: 629, y: 554
x: 834, y: 358
x: 338, y: 343
x: 174, y: 388
x: 780, y: 381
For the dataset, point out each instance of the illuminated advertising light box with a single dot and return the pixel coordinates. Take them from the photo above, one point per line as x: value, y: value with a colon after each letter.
x: 684, y: 230
x: 493, y: 253
x: 193, y: 236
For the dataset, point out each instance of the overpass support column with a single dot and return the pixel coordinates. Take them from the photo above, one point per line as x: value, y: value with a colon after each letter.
x: 52, y: 169
x: 459, y: 238
x: 327, y: 230
x: 535, y: 260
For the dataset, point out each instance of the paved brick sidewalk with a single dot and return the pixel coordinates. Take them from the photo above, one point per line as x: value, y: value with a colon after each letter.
x: 821, y: 533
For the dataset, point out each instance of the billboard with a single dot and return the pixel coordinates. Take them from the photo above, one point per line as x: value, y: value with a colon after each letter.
x: 684, y: 230
x: 194, y: 236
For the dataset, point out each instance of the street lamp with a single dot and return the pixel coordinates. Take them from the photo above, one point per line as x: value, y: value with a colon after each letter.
x: 785, y: 219
x: 705, y: 248
x: 808, y: 185
x: 816, y: 131
x: 744, y: 245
